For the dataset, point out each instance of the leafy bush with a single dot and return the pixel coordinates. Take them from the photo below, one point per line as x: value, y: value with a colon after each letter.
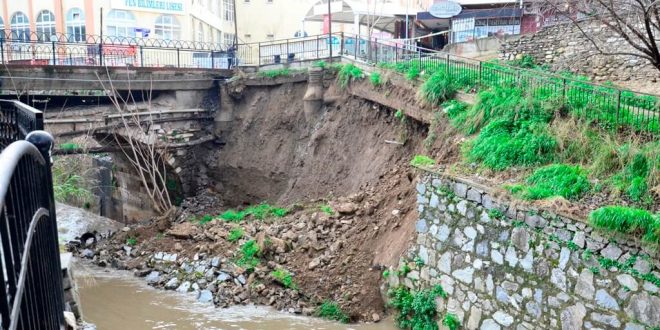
x: 422, y: 161
x: 320, y: 64
x: 456, y: 112
x: 451, y: 321
x: 437, y: 89
x: 625, y: 220
x: 347, y: 73
x: 376, y: 79
x: 131, y: 241
x: 416, y: 310
x: 563, y: 180
x: 283, y: 276
x: 235, y: 234
x: 331, y: 311
x: 249, y: 255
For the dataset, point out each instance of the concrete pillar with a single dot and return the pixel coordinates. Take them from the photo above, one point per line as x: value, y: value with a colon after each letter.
x: 313, y: 99
x: 225, y: 114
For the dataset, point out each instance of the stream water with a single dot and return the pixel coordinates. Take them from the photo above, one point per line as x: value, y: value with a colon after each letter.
x: 115, y: 300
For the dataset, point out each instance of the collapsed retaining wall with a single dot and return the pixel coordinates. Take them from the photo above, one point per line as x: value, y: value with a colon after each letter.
x: 507, y: 266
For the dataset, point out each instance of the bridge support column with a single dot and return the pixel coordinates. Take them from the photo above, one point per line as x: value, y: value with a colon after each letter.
x: 225, y: 114
x: 313, y: 99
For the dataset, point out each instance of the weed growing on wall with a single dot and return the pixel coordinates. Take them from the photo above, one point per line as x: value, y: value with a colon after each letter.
x: 416, y: 310
x: 331, y: 311
x: 451, y: 321
x: 327, y: 209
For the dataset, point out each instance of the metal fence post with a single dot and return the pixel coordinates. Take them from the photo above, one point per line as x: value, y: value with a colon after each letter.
x: 447, y: 64
x: 396, y: 53
x: 212, y: 61
x: 356, y: 46
x: 618, y: 106
x: 259, y: 54
x: 178, y: 58
x: 480, y: 74
x: 317, y: 47
x: 375, y: 50
x: 563, y: 89
x: 2, y: 48
x: 419, y: 59
x: 141, y: 57
x: 101, y: 53
x: 53, y: 48
x: 287, y: 50
x: 341, y: 45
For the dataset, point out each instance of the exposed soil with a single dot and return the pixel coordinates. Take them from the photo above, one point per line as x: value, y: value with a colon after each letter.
x: 347, y: 157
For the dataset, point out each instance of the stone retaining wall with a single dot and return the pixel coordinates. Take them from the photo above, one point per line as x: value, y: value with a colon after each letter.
x: 564, y: 47
x: 507, y: 266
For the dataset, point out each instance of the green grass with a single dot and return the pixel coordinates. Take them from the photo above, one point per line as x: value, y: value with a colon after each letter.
x: 331, y: 311
x: 422, y: 161
x: 626, y: 220
x: 416, y: 310
x: 206, y: 218
x: 348, y: 73
x: 277, y: 73
x: 69, y: 146
x: 235, y: 234
x: 283, y: 276
x: 438, y: 88
x: 412, y: 73
x: 131, y: 241
x: 258, y: 212
x: 376, y: 79
x: 69, y: 187
x: 249, y: 255
x: 451, y: 321
x: 567, y: 181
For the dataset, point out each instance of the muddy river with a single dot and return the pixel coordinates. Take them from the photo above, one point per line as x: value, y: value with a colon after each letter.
x: 117, y: 301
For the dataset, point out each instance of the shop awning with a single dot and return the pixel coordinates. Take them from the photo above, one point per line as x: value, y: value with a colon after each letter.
x: 490, y: 13
x: 381, y: 15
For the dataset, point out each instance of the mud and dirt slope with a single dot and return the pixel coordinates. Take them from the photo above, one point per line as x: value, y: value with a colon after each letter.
x: 274, y: 153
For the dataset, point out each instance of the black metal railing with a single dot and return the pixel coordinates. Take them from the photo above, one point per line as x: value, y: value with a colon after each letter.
x: 30, y: 273
x: 17, y: 120
x: 609, y: 106
x: 91, y: 50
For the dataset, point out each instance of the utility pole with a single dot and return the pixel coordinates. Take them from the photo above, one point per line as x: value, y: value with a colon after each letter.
x: 235, y: 25
x: 330, y: 31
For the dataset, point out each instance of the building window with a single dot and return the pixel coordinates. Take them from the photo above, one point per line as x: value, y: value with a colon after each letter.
x: 167, y: 27
x: 121, y: 23
x: 20, y: 27
x: 229, y: 10
x: 75, y: 25
x: 229, y: 39
x: 45, y: 25
x: 200, y: 32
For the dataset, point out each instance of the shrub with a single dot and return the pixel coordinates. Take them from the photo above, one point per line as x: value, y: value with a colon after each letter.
x: 69, y: 146
x: 567, y: 181
x: 416, y: 310
x: 451, y: 321
x: 331, y: 311
x: 626, y: 220
x: 437, y: 89
x: 131, y: 241
x: 320, y: 64
x: 249, y: 255
x: 347, y: 73
x: 283, y: 276
x: 422, y: 161
x: 376, y: 79
x: 206, y: 218
x: 258, y: 212
x: 456, y: 112
x: 235, y: 234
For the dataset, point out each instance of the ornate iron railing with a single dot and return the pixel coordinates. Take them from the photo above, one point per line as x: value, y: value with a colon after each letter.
x: 31, y: 295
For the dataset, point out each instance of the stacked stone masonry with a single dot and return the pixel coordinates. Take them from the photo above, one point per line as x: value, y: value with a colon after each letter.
x: 507, y: 267
x: 564, y: 47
